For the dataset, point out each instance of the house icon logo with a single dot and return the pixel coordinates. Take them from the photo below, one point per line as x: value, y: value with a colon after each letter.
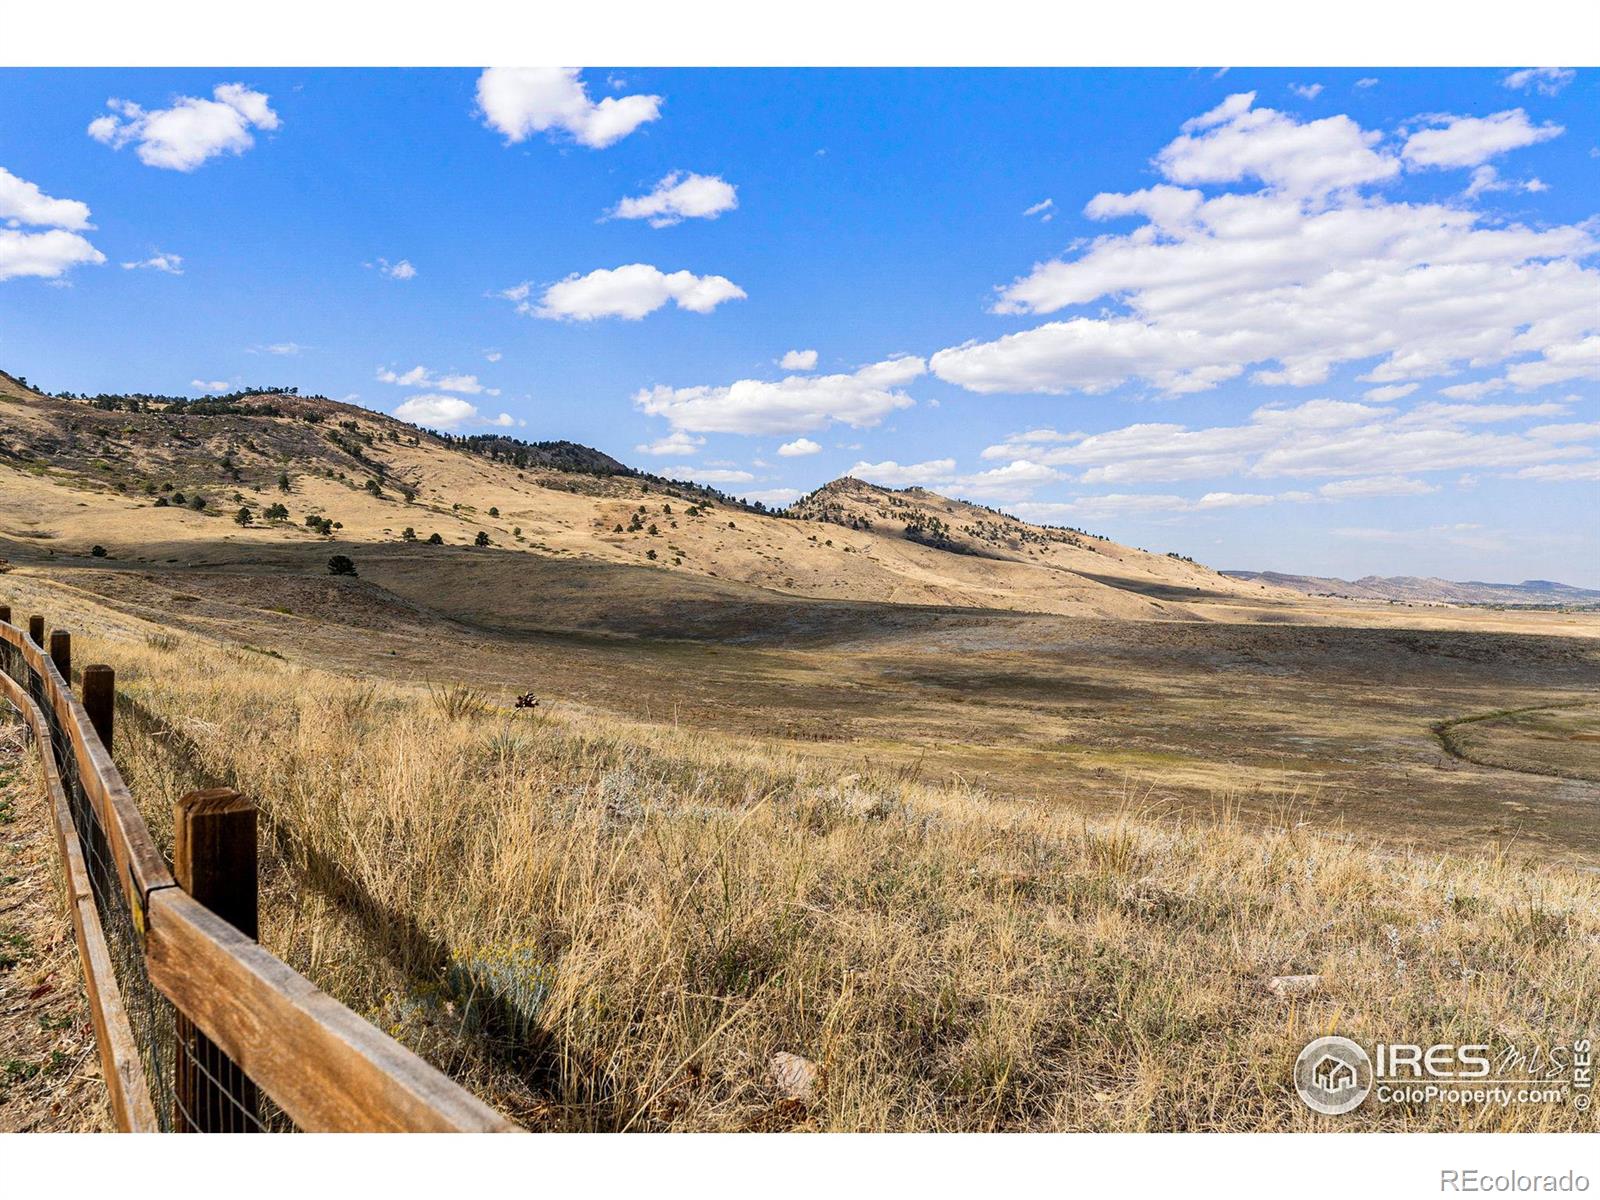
x: 1333, y: 1075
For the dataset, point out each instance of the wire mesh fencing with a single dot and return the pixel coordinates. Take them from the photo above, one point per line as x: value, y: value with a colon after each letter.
x: 193, y: 1086
x: 170, y: 954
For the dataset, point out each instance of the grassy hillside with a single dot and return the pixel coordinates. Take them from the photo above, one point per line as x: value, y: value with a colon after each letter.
x: 127, y: 474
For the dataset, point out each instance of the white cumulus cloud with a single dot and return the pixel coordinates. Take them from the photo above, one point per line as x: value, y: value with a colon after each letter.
x: 396, y: 270
x: 630, y: 292
x: 170, y: 264
x: 677, y: 442
x: 893, y: 474
x: 798, y: 448
x: 773, y: 497
x: 1331, y: 438
x: 1376, y: 485
x: 48, y: 254
x: 712, y: 475
x: 25, y: 204
x: 1288, y: 282
x: 1452, y: 141
x: 799, y: 360
x: 422, y: 377
x: 680, y: 195
x: 794, y: 404
x: 193, y: 130
x: 1545, y: 80
x: 522, y: 101
x: 1237, y: 141
x: 447, y: 412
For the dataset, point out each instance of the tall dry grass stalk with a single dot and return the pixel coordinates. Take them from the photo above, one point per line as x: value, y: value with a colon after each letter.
x: 615, y: 927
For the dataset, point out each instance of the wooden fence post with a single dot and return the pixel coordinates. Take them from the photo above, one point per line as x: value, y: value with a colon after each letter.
x: 98, y: 691
x: 61, y: 653
x: 36, y: 630
x: 214, y: 860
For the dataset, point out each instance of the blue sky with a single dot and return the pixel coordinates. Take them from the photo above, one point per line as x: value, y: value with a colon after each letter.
x: 1327, y: 321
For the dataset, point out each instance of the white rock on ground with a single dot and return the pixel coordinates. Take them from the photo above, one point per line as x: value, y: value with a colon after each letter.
x: 1284, y: 986
x: 795, y: 1077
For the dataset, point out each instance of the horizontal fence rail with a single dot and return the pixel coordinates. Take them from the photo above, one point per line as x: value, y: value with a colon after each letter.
x: 200, y: 1029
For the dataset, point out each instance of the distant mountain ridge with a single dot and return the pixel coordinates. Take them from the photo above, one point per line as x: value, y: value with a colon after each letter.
x: 1426, y: 590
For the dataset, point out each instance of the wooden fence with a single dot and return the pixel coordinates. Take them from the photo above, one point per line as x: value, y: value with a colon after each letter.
x: 199, y: 1028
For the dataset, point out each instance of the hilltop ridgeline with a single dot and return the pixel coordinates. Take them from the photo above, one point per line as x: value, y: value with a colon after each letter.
x: 263, y: 476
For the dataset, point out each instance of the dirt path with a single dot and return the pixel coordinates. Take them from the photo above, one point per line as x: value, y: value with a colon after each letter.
x: 49, y: 1068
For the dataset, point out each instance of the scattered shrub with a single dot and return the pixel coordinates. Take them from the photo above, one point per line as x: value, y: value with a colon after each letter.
x: 458, y: 700
x: 340, y: 564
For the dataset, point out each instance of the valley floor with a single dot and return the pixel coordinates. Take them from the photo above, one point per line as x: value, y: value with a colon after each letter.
x: 980, y: 870
x: 1355, y: 727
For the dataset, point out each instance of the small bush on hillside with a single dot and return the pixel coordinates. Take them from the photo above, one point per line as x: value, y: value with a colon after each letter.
x: 340, y: 564
x: 243, y: 517
x: 435, y: 540
x: 197, y: 502
x: 283, y: 481
x: 494, y: 512
x: 161, y: 502
x: 408, y: 534
x: 458, y: 700
x: 97, y: 552
x: 481, y: 540
x: 277, y: 512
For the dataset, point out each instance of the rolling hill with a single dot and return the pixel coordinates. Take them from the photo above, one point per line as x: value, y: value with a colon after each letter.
x: 280, y: 479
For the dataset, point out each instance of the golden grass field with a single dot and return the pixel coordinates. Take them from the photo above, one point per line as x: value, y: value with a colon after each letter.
x: 1012, y: 838
x: 617, y: 925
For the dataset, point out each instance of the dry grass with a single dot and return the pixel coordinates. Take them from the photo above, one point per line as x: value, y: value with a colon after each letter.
x: 604, y: 926
x: 49, y: 1068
